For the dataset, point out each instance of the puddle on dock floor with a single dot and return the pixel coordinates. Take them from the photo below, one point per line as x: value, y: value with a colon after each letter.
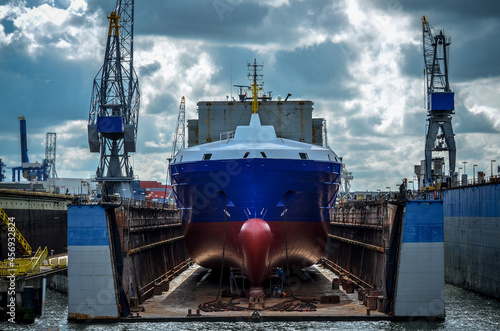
x: 194, y: 287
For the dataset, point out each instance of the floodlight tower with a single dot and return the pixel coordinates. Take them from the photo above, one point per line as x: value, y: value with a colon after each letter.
x: 50, y: 154
x: 440, y: 99
x: 114, y: 109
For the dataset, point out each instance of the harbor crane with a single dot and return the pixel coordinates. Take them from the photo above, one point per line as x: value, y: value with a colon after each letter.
x: 179, y: 140
x: 114, y: 108
x: 440, y: 99
x: 32, y: 171
x: 50, y: 154
x: 180, y: 130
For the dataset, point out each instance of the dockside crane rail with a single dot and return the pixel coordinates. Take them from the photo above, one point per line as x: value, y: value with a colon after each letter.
x: 440, y: 100
x: 114, y: 109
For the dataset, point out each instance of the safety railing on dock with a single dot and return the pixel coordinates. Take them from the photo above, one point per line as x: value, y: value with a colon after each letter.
x: 130, y: 202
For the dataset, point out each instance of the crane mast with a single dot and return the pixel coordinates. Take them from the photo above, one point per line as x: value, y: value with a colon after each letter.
x: 114, y: 109
x: 440, y: 101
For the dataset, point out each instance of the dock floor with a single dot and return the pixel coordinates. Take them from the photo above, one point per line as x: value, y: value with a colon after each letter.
x: 195, y: 286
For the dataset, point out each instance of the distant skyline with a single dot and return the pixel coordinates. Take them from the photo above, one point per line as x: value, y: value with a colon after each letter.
x: 360, y: 61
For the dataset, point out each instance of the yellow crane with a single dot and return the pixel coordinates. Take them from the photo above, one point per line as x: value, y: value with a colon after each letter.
x: 19, y: 266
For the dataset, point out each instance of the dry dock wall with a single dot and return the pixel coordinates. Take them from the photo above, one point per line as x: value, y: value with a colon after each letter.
x: 92, y: 292
x: 472, y: 238
x: 396, y: 247
x: 119, y: 255
x: 420, y: 276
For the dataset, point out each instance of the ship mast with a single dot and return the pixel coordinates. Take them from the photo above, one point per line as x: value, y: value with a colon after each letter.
x: 256, y: 83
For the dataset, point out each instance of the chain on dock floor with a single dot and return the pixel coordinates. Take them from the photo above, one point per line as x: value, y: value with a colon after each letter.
x: 191, y: 289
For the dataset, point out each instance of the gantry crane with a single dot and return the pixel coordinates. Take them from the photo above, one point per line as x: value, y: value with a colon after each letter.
x: 440, y: 99
x: 114, y: 109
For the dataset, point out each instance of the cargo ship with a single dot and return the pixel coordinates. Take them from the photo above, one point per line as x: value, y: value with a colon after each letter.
x: 256, y: 185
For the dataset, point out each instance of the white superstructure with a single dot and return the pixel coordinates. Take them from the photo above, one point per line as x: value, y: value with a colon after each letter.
x: 255, y: 141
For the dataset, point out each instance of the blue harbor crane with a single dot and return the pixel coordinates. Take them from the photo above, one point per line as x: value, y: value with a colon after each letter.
x: 114, y: 108
x: 440, y: 100
x: 30, y: 170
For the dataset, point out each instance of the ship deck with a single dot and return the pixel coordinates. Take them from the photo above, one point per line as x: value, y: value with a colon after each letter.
x: 194, y: 287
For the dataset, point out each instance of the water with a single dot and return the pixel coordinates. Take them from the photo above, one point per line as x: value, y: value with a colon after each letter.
x: 464, y: 311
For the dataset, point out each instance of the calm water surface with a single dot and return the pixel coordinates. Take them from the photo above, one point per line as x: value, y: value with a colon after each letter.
x: 464, y: 311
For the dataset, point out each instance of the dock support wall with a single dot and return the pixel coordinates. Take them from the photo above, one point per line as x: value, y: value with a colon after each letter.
x: 472, y: 238
x: 92, y: 290
x: 119, y: 255
x: 420, y: 276
x: 395, y: 247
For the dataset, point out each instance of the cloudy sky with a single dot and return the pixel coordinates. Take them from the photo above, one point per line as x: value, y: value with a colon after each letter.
x: 360, y: 61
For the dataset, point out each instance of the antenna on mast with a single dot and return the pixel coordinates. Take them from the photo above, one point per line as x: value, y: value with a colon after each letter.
x: 257, y: 83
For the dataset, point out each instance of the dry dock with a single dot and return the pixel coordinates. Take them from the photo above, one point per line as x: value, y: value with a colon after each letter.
x: 196, y: 287
x: 394, y: 250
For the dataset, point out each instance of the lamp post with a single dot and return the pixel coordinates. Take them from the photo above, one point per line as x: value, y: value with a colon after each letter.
x: 459, y: 178
x: 389, y: 188
x: 474, y: 173
x: 491, y: 164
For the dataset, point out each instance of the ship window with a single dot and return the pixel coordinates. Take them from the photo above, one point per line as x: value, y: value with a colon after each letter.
x: 263, y: 154
x: 329, y: 158
x: 303, y: 156
x: 207, y: 157
x: 180, y: 160
x: 246, y: 155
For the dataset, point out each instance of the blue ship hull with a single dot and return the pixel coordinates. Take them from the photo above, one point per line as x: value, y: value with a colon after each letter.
x: 294, y: 197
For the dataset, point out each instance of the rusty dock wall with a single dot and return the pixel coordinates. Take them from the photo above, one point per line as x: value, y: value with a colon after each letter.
x: 153, y: 248
x: 358, y: 241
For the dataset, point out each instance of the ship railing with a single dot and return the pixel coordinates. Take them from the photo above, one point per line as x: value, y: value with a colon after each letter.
x: 226, y: 135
